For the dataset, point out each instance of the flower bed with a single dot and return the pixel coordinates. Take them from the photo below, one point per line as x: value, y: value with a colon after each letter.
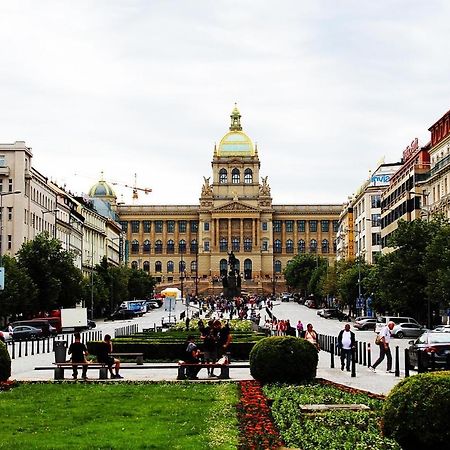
x: 255, y: 422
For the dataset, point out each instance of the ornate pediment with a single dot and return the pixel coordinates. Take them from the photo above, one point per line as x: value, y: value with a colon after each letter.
x: 235, y: 206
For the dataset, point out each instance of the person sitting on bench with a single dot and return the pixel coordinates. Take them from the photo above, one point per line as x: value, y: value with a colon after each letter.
x: 103, y: 356
x: 79, y: 352
x: 192, y: 354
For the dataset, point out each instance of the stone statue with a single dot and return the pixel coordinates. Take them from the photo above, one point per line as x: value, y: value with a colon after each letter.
x: 264, y: 188
x: 232, y: 261
x: 206, y: 188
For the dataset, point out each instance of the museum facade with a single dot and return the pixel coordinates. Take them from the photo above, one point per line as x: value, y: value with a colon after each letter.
x: 187, y: 245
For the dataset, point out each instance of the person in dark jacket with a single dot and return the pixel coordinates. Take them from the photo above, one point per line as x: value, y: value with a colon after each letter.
x: 346, y: 342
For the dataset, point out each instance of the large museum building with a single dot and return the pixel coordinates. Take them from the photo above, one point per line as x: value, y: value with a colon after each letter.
x: 187, y: 245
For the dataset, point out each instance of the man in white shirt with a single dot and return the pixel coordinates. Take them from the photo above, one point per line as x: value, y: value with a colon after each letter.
x: 346, y: 342
x: 385, y: 338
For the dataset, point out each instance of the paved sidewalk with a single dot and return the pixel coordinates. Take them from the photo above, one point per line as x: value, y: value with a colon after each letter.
x: 379, y: 382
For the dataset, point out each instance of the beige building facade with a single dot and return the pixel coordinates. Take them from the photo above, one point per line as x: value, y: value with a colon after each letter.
x: 188, y: 246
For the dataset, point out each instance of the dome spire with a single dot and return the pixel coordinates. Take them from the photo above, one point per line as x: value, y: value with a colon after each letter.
x: 235, y: 119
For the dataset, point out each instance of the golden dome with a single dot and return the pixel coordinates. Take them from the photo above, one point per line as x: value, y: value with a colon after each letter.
x: 236, y: 143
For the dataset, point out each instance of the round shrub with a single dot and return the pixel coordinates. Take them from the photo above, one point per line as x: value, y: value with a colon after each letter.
x: 5, y: 363
x: 416, y: 412
x: 283, y: 359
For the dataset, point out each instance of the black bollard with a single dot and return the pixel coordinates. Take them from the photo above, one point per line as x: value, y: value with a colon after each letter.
x: 13, y: 356
x: 397, y: 361
x: 433, y: 361
x: 26, y: 348
x: 419, y: 362
x: 353, y: 363
x: 364, y: 354
x: 407, y: 363
x: 332, y: 356
x: 369, y: 355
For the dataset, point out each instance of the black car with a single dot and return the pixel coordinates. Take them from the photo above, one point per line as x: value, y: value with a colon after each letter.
x: 427, y: 344
x: 334, y: 313
x: 25, y: 332
x: 122, y: 314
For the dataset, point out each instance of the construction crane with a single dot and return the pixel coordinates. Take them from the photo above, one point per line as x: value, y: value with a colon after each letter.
x: 135, y: 188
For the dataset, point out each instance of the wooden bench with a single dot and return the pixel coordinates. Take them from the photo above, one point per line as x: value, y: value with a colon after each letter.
x: 224, y: 369
x: 60, y: 367
x: 139, y: 356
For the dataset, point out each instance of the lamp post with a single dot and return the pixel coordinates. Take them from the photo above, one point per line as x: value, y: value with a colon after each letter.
x: 2, y: 194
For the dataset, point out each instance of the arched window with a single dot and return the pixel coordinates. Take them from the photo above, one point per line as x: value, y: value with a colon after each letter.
x: 223, y: 267
x: 301, y: 246
x: 194, y: 246
x: 134, y: 246
x: 277, y: 246
x: 223, y: 245
x: 248, y: 176
x: 146, y: 266
x: 235, y: 244
x: 223, y: 176
x: 289, y: 246
x: 146, y: 246
x: 134, y: 265
x: 158, y: 266
x: 313, y: 246
x: 235, y: 176
x: 194, y: 266
x: 170, y: 246
x: 247, y: 245
x: 182, y: 266
x: 325, y: 246
x: 158, y: 246
x: 277, y: 266
x: 247, y: 269
x: 169, y: 266
x: 182, y: 246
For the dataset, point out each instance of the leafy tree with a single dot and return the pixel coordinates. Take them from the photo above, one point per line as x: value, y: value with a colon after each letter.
x: 140, y: 284
x: 57, y: 280
x: 20, y: 292
x: 299, y: 271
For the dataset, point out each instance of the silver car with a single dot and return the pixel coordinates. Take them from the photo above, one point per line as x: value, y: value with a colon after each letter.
x: 408, y: 329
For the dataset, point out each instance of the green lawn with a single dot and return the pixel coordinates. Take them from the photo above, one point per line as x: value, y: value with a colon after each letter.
x: 119, y: 416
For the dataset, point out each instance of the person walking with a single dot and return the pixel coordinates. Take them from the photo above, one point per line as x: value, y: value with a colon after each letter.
x: 347, y: 343
x: 311, y: 336
x: 299, y: 329
x: 384, y: 339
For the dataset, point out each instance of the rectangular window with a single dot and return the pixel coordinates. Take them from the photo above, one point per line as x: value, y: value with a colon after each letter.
x: 313, y: 226
x: 9, y: 242
x: 376, y: 201
x: 325, y: 226
x: 10, y: 212
x: 277, y: 226
x: 147, y: 225
x: 289, y: 225
x: 301, y: 226
x: 194, y: 226
x: 124, y: 225
x: 376, y: 220
x: 264, y: 226
x: 158, y: 226
x: 376, y: 238
x: 135, y: 226
x: 1, y: 184
x: 265, y: 245
x: 335, y: 225
x: 25, y: 216
x: 10, y: 185
x: 2, y: 161
x: 206, y: 226
x: 182, y: 226
x: 206, y: 246
x: 171, y: 226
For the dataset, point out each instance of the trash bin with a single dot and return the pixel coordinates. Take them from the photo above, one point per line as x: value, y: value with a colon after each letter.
x: 60, y: 349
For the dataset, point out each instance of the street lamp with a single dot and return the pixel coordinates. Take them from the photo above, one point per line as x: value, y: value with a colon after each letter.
x: 2, y: 194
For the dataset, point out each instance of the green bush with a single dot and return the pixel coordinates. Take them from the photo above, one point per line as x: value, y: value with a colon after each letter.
x: 416, y: 412
x: 283, y: 359
x: 5, y: 363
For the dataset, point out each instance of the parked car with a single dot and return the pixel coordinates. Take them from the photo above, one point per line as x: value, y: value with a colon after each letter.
x: 7, y: 336
x: 365, y: 323
x: 428, y: 343
x: 44, y: 325
x: 26, y: 332
x: 122, y: 314
x: 286, y: 297
x: 384, y: 320
x: 407, y: 329
x: 153, y: 304
x: 442, y: 329
x: 333, y: 313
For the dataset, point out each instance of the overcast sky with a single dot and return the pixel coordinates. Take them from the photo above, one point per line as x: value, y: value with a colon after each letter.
x: 325, y: 88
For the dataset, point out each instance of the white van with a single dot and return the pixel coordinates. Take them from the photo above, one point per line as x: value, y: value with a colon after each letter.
x: 384, y: 320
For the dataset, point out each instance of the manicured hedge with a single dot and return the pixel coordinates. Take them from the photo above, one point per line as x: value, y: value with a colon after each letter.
x: 416, y: 412
x: 5, y: 363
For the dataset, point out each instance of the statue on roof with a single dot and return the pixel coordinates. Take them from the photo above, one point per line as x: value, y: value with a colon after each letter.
x: 206, y: 188
x: 264, y: 188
